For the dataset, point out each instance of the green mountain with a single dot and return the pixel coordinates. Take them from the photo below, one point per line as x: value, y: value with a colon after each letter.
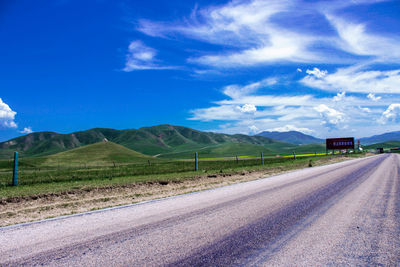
x: 101, y: 154
x: 47, y: 143
x: 292, y: 137
x: 162, y: 141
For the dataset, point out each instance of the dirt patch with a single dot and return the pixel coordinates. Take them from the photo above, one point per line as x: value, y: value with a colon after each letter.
x: 22, y: 209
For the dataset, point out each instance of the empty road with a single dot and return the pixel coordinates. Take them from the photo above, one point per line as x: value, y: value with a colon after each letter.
x: 342, y: 214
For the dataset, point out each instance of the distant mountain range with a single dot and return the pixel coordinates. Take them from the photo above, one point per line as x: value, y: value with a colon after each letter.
x: 391, y: 136
x: 169, y: 141
x: 292, y: 137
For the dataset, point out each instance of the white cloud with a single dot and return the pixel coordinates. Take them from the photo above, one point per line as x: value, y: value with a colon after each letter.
x: 317, y: 72
x: 367, y: 110
x: 352, y: 79
x: 373, y: 97
x: 222, y: 24
x: 339, y: 96
x: 7, y: 116
x: 253, y: 129
x: 247, y: 108
x: 27, y: 130
x: 250, y: 29
x: 355, y: 39
x: 392, y: 113
x: 245, y: 102
x: 331, y: 117
x: 141, y: 57
x: 255, y: 32
x: 289, y: 127
x: 270, y: 100
x: 236, y: 91
x: 280, y: 49
x: 224, y: 112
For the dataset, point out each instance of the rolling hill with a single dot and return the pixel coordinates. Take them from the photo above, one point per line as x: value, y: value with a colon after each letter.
x: 292, y: 137
x: 102, y: 154
x: 157, y: 140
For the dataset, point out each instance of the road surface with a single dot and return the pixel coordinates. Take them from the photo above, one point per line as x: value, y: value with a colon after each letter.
x: 342, y: 214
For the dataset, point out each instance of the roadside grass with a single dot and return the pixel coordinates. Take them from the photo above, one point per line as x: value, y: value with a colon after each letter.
x: 30, y: 174
x: 56, y: 181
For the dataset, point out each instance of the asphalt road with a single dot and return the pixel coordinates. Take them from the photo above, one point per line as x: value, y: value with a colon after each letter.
x: 342, y: 214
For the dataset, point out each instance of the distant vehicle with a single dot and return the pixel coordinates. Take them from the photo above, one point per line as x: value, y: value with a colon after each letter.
x: 379, y: 150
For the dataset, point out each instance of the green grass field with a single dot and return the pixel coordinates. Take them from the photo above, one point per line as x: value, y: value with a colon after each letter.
x: 49, y: 174
x: 248, y: 150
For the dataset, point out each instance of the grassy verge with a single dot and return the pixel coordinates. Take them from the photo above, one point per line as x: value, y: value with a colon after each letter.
x: 215, y: 168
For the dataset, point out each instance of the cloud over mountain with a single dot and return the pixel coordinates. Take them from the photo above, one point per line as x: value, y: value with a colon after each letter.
x: 7, y: 116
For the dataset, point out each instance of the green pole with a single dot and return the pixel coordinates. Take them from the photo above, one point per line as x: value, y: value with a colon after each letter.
x: 196, y: 159
x: 262, y: 158
x: 15, y: 173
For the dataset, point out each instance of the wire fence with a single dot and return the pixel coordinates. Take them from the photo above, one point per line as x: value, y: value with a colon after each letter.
x: 31, y: 174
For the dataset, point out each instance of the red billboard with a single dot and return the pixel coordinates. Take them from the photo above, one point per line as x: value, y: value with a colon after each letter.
x: 340, y: 143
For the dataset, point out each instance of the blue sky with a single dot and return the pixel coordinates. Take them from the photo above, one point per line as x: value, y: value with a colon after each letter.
x: 326, y: 68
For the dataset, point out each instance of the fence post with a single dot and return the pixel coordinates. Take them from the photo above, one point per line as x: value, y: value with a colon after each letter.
x: 294, y: 155
x: 262, y: 158
x: 15, y: 172
x: 196, y: 160
x: 237, y: 160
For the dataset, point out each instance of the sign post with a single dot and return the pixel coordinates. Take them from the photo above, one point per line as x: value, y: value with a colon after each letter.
x: 196, y: 159
x: 15, y: 172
